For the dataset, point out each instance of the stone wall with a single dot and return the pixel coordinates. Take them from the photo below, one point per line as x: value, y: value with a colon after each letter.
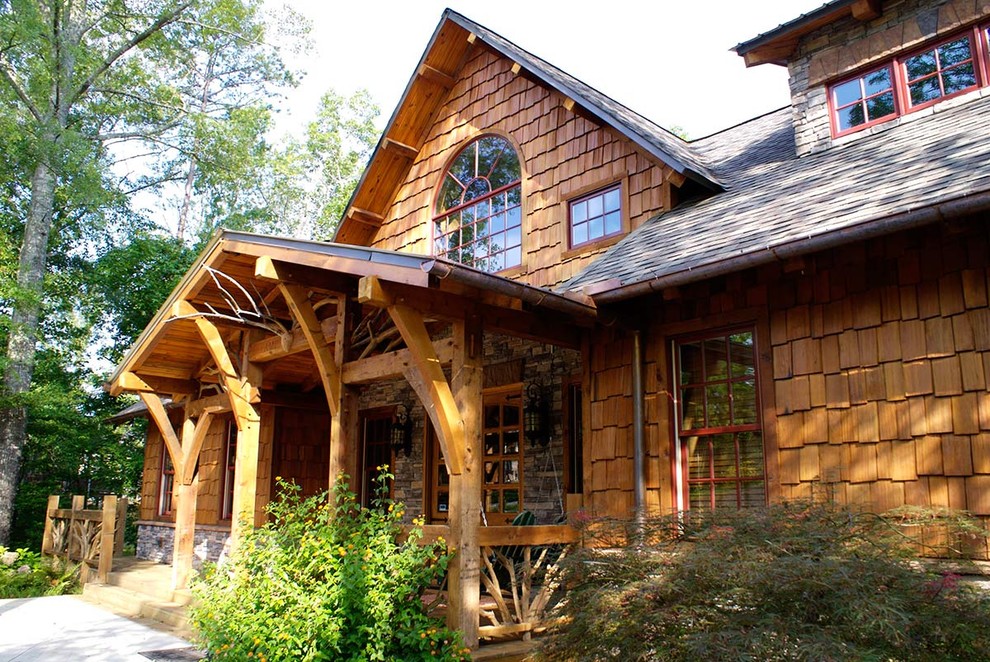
x: 156, y: 541
x: 845, y: 46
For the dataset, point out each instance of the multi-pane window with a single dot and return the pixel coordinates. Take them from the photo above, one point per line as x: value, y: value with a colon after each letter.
x: 941, y: 71
x: 229, y: 464
x: 908, y: 82
x: 166, y: 485
x: 502, y: 461
x: 478, y: 218
x: 865, y: 99
x: 720, y: 437
x: 596, y: 216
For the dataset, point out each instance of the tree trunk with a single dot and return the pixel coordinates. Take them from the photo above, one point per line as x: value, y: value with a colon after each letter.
x: 22, y: 340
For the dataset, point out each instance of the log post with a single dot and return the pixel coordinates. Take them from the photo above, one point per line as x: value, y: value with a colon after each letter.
x: 246, y: 464
x: 465, y: 489
x: 118, y: 540
x: 47, y: 541
x: 344, y: 412
x: 73, y: 538
x: 107, y: 536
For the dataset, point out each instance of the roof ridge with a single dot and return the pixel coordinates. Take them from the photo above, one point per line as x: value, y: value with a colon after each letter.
x: 739, y: 124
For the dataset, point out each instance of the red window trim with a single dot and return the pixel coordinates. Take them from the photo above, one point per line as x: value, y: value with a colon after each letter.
x: 615, y: 186
x: 902, y: 102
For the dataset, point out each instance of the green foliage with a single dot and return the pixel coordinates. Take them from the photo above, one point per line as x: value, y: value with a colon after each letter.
x: 789, y: 582
x: 26, y: 574
x: 326, y: 580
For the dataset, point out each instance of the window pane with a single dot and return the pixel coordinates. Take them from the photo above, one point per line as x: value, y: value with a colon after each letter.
x: 513, y: 196
x: 579, y: 212
x: 513, y: 218
x: 693, y: 409
x: 959, y: 78
x: 699, y: 458
x: 510, y: 415
x: 595, y: 206
x: 443, y: 478
x: 691, y: 366
x: 724, y: 456
x: 613, y: 223
x: 954, y: 52
x: 880, y: 106
x: 510, y: 471
x: 491, y: 500
x: 513, y: 258
x: 513, y: 237
x: 492, y: 416
x: 580, y: 234
x: 920, y: 65
x: 851, y: 116
x: 725, y: 495
x: 847, y: 93
x: 443, y: 502
x: 491, y: 443
x: 741, y: 354
x: 595, y: 230
x: 925, y: 90
x: 876, y: 82
x: 750, y: 454
x: 510, y: 501
x: 716, y: 362
x: 507, y: 168
x: 511, y: 442
x: 700, y: 497
x: 612, y: 200
x: 717, y: 396
x: 491, y: 473
x: 752, y: 494
x: 476, y: 189
x: 744, y: 402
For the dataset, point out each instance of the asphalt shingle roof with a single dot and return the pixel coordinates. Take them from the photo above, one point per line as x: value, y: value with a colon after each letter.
x: 774, y: 199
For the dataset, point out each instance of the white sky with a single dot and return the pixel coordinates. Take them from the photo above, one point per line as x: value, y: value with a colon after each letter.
x: 669, y: 61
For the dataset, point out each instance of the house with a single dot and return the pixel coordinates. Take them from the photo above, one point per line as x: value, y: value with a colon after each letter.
x: 539, y: 300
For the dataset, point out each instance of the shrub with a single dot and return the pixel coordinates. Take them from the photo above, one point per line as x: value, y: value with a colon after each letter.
x: 26, y: 574
x: 790, y: 582
x: 326, y: 580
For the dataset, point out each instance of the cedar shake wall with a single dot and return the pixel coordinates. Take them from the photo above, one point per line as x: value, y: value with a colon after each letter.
x: 875, y: 368
x: 840, y: 49
x: 563, y: 155
x: 152, y: 473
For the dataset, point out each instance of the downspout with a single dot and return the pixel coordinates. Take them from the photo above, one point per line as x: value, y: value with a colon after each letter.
x: 639, y: 450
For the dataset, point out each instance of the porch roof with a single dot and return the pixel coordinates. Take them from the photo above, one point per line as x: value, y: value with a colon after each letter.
x: 227, y: 286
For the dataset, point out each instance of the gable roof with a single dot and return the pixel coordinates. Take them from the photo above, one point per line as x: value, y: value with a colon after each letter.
x: 426, y: 92
x: 777, y: 205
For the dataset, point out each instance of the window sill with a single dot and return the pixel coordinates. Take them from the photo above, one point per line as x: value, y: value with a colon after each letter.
x: 593, y: 246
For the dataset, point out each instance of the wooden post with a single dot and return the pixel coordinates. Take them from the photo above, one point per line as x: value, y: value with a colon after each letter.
x: 47, y: 542
x: 465, y: 488
x: 185, y: 512
x: 78, y: 505
x: 246, y: 463
x: 118, y: 540
x: 107, y: 536
x: 344, y: 423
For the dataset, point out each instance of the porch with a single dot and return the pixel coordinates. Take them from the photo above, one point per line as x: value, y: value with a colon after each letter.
x: 386, y: 356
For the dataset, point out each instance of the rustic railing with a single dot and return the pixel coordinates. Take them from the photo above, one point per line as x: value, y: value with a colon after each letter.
x: 87, y: 537
x: 520, y: 573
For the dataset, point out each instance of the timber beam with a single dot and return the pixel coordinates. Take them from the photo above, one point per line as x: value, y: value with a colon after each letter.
x: 425, y: 373
x: 133, y: 382
x: 278, y: 347
x: 403, y: 150
x: 547, y: 326
x: 434, y: 75
x: 392, y: 364
x: 365, y: 217
x: 336, y: 284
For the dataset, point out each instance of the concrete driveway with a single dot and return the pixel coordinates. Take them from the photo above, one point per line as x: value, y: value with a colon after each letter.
x: 65, y: 628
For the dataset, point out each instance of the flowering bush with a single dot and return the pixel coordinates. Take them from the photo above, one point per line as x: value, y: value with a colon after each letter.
x: 788, y: 582
x: 326, y: 580
x: 26, y: 574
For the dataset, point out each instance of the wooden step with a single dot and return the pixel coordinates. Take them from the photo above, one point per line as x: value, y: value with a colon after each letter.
x: 509, y: 651
x: 163, y: 614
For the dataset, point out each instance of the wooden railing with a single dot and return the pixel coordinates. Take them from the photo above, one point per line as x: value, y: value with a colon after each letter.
x: 520, y: 573
x: 87, y: 537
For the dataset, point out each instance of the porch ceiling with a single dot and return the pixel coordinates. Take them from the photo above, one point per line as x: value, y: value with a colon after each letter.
x: 229, y: 286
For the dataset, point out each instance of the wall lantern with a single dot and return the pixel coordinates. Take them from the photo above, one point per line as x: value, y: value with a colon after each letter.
x: 535, y: 419
x: 401, y: 433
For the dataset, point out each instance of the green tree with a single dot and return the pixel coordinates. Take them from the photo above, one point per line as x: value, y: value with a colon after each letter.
x: 77, y: 78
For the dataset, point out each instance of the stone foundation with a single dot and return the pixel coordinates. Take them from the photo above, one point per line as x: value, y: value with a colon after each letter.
x: 156, y: 541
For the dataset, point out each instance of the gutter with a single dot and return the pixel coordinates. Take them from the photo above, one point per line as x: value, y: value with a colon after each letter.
x: 914, y: 218
x: 639, y: 446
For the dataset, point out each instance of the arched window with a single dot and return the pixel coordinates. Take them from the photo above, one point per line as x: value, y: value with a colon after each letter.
x: 478, y: 215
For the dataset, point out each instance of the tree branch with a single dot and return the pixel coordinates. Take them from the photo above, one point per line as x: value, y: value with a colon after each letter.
x: 162, y: 21
x: 20, y: 92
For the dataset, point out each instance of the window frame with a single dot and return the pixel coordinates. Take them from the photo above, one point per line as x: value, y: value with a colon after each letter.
x: 594, y: 193
x: 166, y: 485
x: 681, y: 458
x: 439, y: 216
x: 979, y: 48
x: 229, y: 471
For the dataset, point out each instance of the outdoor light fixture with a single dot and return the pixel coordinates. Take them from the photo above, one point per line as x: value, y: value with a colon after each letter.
x: 535, y: 417
x: 401, y: 433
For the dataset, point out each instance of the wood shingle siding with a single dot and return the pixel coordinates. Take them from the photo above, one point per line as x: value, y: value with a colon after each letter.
x: 563, y: 154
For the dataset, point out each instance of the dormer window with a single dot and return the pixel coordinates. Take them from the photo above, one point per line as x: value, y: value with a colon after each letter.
x: 478, y: 213
x: 908, y: 83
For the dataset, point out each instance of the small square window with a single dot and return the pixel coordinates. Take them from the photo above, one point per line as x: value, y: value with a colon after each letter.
x: 941, y: 71
x: 596, y: 216
x: 868, y: 98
